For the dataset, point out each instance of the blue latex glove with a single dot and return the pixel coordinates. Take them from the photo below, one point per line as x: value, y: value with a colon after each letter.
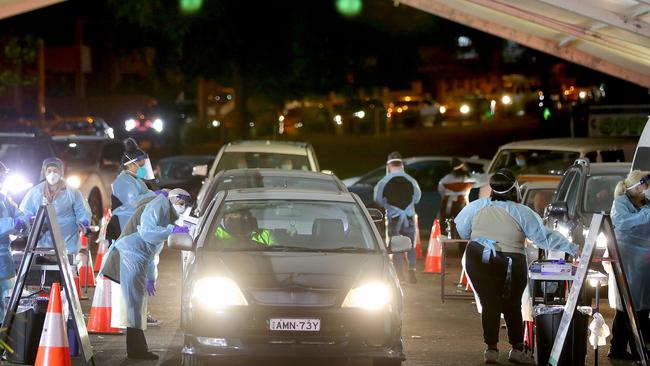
x: 20, y: 225
x: 151, y: 288
x: 163, y: 192
x: 180, y: 230
x: 85, y: 223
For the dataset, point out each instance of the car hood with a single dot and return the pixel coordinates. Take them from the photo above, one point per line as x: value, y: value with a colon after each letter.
x: 281, y: 278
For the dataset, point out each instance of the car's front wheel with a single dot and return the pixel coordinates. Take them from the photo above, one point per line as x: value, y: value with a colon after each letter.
x: 386, y: 362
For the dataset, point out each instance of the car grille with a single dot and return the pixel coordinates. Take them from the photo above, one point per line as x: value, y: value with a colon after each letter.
x: 296, y: 297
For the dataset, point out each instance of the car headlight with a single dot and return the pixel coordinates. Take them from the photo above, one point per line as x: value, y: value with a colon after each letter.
x: 110, y: 133
x: 506, y: 100
x: 74, y: 181
x: 464, y: 109
x: 16, y: 183
x: 359, y: 114
x: 442, y: 109
x: 158, y: 125
x: 218, y: 293
x: 371, y: 296
x: 129, y: 124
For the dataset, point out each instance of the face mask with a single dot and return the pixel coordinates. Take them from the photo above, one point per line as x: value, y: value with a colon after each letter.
x: 520, y: 163
x: 141, y: 173
x: 53, y: 178
x: 179, y: 209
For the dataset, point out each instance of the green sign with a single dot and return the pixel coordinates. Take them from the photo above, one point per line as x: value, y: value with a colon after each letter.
x: 349, y: 8
x: 191, y: 6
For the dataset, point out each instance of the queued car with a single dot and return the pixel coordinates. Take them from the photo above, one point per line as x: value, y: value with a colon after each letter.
x: 427, y: 171
x: 322, y: 287
x: 83, y: 125
x: 258, y: 154
x: 148, y: 126
x: 23, y: 154
x: 176, y: 172
x: 92, y: 163
x: 269, y: 178
x: 469, y: 108
x: 585, y: 189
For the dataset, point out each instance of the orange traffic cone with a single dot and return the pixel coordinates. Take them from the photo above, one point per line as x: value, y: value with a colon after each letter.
x: 80, y: 294
x: 53, y: 349
x: 101, y: 310
x: 463, y: 277
x: 101, y: 250
x: 433, y: 262
x: 86, y: 275
x: 418, y: 241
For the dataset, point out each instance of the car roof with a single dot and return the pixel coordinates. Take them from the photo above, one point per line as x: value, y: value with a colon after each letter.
x: 417, y: 159
x: 81, y: 138
x: 609, y: 168
x: 267, y: 172
x: 278, y: 147
x: 287, y: 194
x: 187, y: 158
x: 570, y: 144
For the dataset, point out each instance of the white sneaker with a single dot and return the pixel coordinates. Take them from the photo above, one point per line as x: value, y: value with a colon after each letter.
x: 520, y: 357
x: 491, y: 356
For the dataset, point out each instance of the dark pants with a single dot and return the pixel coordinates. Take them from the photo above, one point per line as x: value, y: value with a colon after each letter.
x: 621, y: 333
x: 393, y: 230
x: 489, y: 280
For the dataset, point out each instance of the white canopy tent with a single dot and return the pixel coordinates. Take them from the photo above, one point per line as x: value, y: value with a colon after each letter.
x: 611, y: 36
x: 9, y: 8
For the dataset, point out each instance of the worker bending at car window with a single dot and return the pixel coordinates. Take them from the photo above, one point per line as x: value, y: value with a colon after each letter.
x: 631, y: 219
x: 72, y: 210
x: 129, y: 186
x: 454, y: 190
x: 136, y: 253
x: 11, y: 221
x: 398, y: 193
x: 241, y: 227
x: 497, y: 228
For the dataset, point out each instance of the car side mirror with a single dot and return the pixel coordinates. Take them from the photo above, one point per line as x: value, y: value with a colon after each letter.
x: 557, y: 209
x: 399, y: 244
x: 376, y: 215
x: 200, y: 170
x: 180, y: 241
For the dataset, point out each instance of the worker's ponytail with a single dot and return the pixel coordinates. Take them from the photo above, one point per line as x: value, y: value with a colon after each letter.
x: 633, y: 179
x: 620, y: 189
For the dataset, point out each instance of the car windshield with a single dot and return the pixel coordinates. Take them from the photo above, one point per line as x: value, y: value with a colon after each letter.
x: 77, y: 152
x: 252, y: 160
x: 280, y: 225
x: 260, y: 181
x: 78, y: 126
x: 599, y: 192
x: 24, y: 157
x: 535, y: 161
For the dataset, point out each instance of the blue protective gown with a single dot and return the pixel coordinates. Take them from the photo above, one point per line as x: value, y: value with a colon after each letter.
x: 530, y: 223
x: 632, y: 230
x: 137, y: 251
x: 71, y: 209
x: 392, y: 211
x: 129, y: 190
x: 9, y: 213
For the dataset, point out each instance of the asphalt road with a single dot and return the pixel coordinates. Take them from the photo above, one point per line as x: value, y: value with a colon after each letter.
x: 435, y: 333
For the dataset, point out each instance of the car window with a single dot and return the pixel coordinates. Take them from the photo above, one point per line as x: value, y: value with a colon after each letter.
x: 612, y: 156
x: 429, y: 173
x: 373, y: 177
x: 475, y: 168
x: 642, y: 158
x: 592, y: 156
x: 295, y: 225
x: 564, y: 185
x: 572, y: 195
x: 253, y: 160
x: 112, y: 153
x: 534, y: 161
x: 259, y: 181
x: 77, y: 152
x: 599, y: 192
x: 538, y: 199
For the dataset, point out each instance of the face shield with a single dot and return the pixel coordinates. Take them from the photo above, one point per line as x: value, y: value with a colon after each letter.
x: 515, y: 186
x: 145, y: 170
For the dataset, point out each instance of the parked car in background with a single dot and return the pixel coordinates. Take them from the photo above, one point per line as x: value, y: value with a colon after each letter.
x: 427, y: 170
x: 258, y: 154
x: 269, y: 178
x: 176, y: 172
x: 92, y: 163
x: 322, y: 286
x: 82, y: 125
x: 23, y: 153
x: 585, y: 189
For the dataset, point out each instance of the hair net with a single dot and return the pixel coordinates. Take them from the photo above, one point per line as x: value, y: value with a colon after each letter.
x: 55, y: 162
x: 178, y: 194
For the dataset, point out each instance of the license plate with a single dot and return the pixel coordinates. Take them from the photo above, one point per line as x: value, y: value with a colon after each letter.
x: 294, y: 325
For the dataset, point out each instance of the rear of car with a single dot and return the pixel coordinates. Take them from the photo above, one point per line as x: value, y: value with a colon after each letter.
x: 323, y: 288
x: 83, y: 126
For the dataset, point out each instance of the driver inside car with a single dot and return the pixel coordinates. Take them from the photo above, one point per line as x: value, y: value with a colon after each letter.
x: 241, y: 226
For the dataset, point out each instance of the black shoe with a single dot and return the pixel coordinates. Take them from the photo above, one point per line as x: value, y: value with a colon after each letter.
x: 143, y: 356
x: 412, y: 278
x: 620, y: 355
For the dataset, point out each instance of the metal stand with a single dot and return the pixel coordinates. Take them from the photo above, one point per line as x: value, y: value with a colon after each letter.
x: 443, y: 263
x: 47, y: 215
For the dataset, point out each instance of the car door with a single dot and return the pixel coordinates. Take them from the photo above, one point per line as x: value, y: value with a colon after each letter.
x: 642, y: 155
x: 569, y: 191
x: 365, y: 187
